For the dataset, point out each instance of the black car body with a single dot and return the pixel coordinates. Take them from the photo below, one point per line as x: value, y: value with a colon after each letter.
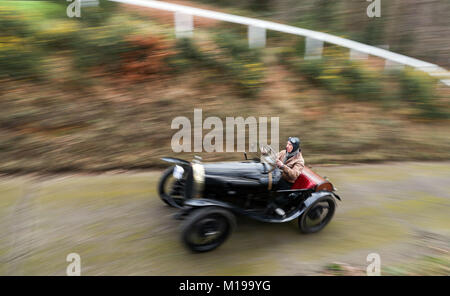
x: 223, y: 189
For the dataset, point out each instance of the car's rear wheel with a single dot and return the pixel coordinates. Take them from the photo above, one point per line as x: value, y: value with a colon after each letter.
x: 318, y: 215
x: 207, y: 228
x: 171, y: 190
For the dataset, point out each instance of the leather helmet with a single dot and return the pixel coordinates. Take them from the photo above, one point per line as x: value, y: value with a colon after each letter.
x: 295, y: 143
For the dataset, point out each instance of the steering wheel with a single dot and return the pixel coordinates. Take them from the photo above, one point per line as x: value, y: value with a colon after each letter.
x: 268, y: 156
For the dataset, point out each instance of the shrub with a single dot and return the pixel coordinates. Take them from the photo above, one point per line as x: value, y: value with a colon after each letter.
x: 17, y: 57
x: 236, y: 47
x: 336, y: 74
x: 100, y: 47
x: 59, y: 34
x: 149, y: 58
x: 188, y: 51
x: 18, y: 61
x: 312, y: 69
x: 359, y: 83
x: 12, y: 24
x: 419, y: 89
x: 242, y: 63
x: 233, y: 60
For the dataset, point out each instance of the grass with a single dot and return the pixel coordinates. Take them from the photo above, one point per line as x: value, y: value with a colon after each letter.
x: 41, y: 9
x: 436, y: 265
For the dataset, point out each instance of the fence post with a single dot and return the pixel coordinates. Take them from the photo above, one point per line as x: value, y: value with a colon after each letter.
x: 313, y: 48
x: 184, y: 25
x: 256, y: 37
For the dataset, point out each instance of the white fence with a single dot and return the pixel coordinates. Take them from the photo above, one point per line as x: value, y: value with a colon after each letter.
x: 314, y: 40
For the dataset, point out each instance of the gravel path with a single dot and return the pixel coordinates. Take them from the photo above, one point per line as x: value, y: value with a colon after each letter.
x: 118, y: 225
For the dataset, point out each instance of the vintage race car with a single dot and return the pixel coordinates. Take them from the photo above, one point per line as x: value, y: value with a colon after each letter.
x: 209, y: 195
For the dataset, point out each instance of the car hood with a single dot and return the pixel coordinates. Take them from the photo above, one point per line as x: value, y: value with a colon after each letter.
x: 238, y: 169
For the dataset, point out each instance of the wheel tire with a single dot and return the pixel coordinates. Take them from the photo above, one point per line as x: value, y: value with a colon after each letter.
x: 188, y: 227
x: 161, y: 190
x: 304, y: 228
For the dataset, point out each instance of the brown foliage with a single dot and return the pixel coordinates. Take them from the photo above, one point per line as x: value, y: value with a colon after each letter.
x: 147, y: 59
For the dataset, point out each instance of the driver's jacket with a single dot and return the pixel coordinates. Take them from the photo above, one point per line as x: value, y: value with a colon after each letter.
x: 293, y: 166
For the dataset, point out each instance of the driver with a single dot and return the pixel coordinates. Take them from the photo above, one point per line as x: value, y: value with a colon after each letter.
x: 290, y: 162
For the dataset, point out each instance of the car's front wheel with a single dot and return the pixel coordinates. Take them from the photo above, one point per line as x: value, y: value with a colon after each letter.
x: 171, y: 190
x: 207, y: 228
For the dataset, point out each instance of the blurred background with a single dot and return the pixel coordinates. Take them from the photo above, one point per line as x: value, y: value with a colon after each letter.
x: 98, y: 94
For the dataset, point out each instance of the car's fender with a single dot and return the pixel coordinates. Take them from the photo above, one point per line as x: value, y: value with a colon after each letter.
x: 307, y: 203
x: 316, y: 195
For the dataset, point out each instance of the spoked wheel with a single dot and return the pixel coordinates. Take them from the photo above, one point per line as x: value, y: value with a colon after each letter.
x: 207, y: 228
x: 318, y: 215
x: 172, y: 190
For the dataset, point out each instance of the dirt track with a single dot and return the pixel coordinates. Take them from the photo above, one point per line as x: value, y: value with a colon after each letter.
x: 118, y: 225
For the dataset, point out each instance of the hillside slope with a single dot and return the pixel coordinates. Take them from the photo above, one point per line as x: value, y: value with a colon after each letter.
x: 95, y: 94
